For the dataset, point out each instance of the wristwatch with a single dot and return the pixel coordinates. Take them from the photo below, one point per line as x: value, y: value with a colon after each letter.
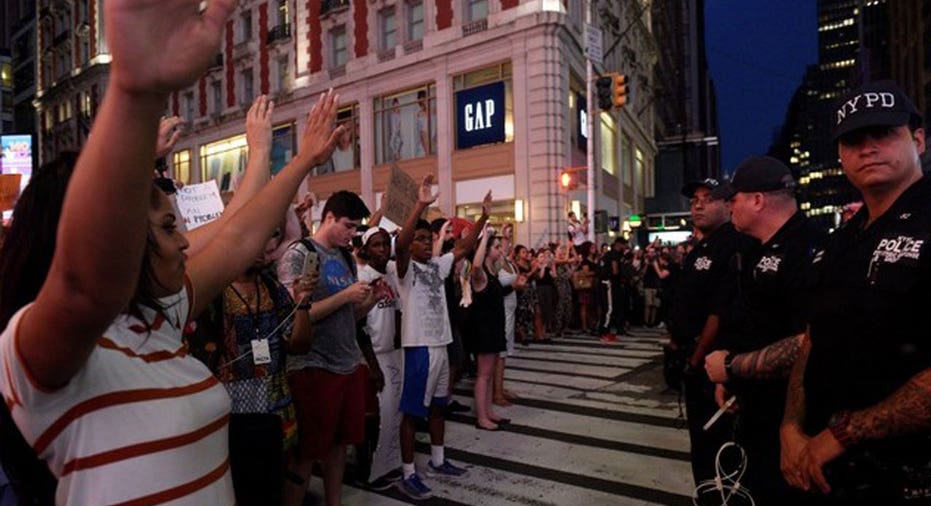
x: 727, y: 365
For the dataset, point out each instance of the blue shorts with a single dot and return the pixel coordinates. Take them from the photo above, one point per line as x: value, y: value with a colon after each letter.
x: 426, y: 379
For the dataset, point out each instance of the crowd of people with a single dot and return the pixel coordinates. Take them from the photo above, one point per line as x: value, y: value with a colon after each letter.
x: 221, y: 365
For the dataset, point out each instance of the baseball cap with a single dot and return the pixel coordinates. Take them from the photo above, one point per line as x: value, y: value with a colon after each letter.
x: 880, y: 103
x: 688, y: 190
x: 371, y: 232
x: 756, y: 174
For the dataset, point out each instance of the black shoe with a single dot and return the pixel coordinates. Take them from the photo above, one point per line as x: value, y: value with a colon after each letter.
x: 457, y: 407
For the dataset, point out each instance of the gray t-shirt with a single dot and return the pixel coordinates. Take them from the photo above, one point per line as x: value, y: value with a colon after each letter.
x: 334, y: 346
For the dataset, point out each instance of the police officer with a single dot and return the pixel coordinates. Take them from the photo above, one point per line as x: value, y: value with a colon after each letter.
x: 762, y: 332
x: 858, y: 412
x: 706, y: 286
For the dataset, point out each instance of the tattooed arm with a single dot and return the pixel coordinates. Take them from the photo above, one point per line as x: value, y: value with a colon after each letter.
x: 773, y: 361
x: 792, y: 439
x: 906, y: 411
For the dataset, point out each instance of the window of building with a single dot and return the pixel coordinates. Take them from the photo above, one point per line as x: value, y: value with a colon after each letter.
x: 387, y: 28
x: 339, y: 54
x: 188, y: 105
x: 216, y: 89
x: 638, y: 171
x: 85, y: 50
x: 608, y: 144
x: 284, y: 16
x: 284, y: 140
x: 85, y: 99
x: 181, y: 166
x: 6, y: 75
x: 245, y: 26
x: 415, y: 20
x: 63, y: 66
x: 284, y: 75
x: 248, y: 93
x: 405, y: 124
x: 486, y: 75
x: 346, y: 156
x: 223, y: 160
x: 626, y: 171
x: 476, y: 9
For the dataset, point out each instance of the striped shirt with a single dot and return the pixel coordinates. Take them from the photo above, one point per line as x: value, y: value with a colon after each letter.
x: 141, y: 423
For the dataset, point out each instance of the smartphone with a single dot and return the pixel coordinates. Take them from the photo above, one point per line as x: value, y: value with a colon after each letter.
x: 311, y: 262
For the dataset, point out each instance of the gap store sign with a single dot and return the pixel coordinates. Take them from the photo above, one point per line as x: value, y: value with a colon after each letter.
x: 480, y: 115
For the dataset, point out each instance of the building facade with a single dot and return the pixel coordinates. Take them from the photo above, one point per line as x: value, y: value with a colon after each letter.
x: 72, y: 68
x: 21, y: 14
x: 482, y: 94
x: 686, y: 105
x: 910, y: 55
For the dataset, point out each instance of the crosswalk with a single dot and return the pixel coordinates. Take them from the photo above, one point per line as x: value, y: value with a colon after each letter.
x: 593, y: 426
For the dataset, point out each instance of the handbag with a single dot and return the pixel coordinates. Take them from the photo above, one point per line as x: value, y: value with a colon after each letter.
x: 581, y: 281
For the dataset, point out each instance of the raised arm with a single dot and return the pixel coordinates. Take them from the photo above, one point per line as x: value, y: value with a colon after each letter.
x: 157, y: 47
x: 259, y: 140
x: 479, y: 278
x: 425, y: 197
x: 242, y: 238
x: 438, y: 243
x: 464, y: 246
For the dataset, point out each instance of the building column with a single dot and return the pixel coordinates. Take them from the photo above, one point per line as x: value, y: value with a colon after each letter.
x: 367, y: 150
x: 445, y: 140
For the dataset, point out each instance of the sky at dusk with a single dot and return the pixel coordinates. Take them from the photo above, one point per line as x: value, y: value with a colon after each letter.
x: 757, y: 51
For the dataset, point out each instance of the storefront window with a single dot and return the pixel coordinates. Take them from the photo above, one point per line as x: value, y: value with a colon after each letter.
x: 346, y: 154
x: 181, y: 166
x: 405, y: 124
x: 608, y: 144
x: 283, y: 142
x: 487, y: 75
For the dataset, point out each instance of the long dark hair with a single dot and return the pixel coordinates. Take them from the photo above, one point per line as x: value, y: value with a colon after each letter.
x: 25, y: 259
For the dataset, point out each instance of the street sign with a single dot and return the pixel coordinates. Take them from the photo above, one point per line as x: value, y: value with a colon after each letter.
x: 594, y: 50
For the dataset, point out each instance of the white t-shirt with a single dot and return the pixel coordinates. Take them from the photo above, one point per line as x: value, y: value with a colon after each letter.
x: 577, y: 234
x: 423, y: 302
x: 141, y: 418
x: 380, y: 322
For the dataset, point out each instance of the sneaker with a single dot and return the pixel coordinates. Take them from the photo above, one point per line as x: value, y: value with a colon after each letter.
x: 414, y: 488
x: 445, y: 469
x: 387, y: 481
x: 608, y: 338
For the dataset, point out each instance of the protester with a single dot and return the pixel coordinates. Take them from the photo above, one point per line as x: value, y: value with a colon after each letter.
x: 761, y: 334
x: 858, y: 412
x: 512, y: 282
x: 382, y: 324
x: 485, y: 337
x: 707, y: 286
x: 578, y: 230
x: 329, y: 382
x: 425, y: 333
x: 137, y: 264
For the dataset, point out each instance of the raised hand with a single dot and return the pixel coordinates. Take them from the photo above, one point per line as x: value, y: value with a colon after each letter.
x: 486, y: 204
x: 425, y: 194
x: 159, y: 46
x: 259, y: 124
x: 320, y: 135
x: 169, y: 131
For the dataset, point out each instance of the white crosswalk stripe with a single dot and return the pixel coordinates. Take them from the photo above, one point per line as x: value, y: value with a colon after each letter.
x: 592, y: 426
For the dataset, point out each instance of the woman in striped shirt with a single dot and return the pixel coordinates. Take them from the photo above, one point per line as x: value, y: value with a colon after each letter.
x: 92, y: 367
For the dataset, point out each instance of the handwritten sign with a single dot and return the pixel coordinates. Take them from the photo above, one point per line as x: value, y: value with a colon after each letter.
x: 9, y: 190
x: 199, y: 204
x: 401, y: 195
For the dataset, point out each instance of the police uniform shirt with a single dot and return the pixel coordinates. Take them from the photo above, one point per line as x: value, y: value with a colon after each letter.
x: 871, y: 321
x: 707, y: 283
x: 773, y: 301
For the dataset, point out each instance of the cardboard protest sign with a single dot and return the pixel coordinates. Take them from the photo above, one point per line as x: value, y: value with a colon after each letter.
x: 9, y: 190
x: 199, y: 204
x: 401, y: 195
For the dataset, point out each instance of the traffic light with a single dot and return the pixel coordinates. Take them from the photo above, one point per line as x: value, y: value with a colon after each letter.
x: 568, y: 180
x: 604, y: 93
x: 619, y: 91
